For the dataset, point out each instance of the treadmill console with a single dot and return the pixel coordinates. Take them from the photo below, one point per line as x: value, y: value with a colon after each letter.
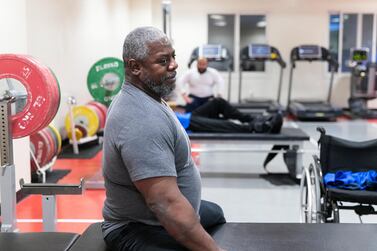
x: 310, y: 52
x: 259, y: 51
x: 360, y: 55
x: 212, y: 51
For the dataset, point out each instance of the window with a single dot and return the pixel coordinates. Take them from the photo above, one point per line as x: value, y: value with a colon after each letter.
x: 221, y: 31
x: 253, y: 30
x: 353, y: 30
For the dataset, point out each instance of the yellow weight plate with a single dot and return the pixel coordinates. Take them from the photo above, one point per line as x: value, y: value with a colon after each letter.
x: 77, y: 132
x: 58, y: 136
x: 85, y: 117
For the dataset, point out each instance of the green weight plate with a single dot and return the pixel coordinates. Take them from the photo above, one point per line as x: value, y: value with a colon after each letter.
x: 105, y: 79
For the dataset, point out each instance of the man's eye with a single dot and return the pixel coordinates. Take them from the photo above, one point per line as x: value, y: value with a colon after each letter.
x: 164, y: 61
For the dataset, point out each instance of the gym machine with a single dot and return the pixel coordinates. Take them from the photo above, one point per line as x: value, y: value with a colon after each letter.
x: 363, y: 86
x: 218, y: 57
x: 312, y: 110
x: 259, y: 53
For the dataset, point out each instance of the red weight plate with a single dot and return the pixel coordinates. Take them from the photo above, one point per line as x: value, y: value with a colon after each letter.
x: 54, y: 137
x: 41, y: 145
x: 101, y: 118
x: 54, y: 92
x: 100, y: 106
x: 52, y: 148
x: 39, y: 101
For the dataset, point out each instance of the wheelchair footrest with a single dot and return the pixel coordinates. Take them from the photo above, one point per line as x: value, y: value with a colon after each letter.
x: 360, y: 209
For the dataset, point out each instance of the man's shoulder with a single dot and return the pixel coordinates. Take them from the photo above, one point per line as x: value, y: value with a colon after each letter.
x: 212, y: 70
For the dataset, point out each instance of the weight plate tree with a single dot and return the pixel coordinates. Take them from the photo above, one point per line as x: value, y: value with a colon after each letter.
x: 105, y: 79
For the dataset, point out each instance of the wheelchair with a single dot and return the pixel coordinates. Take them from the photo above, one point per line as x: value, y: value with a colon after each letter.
x: 321, y: 204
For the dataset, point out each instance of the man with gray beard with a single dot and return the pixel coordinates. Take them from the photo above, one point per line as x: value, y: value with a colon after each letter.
x: 153, y: 188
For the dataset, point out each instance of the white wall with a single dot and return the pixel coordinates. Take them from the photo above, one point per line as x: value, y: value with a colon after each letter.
x: 289, y: 23
x: 13, y: 40
x: 71, y: 35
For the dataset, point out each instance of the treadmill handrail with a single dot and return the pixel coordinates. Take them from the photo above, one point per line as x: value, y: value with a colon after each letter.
x: 279, y: 60
x: 325, y: 56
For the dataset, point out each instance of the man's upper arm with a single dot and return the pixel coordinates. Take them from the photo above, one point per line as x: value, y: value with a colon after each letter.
x: 158, y: 189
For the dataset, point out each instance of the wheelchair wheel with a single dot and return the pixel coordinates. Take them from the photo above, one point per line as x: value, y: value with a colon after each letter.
x: 310, y: 196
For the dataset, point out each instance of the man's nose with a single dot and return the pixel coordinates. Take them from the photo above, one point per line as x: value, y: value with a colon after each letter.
x: 173, y: 65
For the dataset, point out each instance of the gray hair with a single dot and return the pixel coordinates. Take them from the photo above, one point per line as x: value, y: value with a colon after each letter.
x: 136, y: 43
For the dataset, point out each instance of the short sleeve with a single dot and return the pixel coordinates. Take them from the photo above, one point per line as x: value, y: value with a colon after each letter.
x: 147, y: 148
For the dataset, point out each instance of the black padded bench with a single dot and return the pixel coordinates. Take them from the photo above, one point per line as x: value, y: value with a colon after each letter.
x: 231, y: 236
x: 51, y: 241
x: 294, y: 138
x: 270, y: 237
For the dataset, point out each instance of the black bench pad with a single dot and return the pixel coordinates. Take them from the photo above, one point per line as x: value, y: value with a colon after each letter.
x: 287, y: 134
x: 37, y: 241
x: 270, y: 236
x: 91, y: 240
x: 296, y: 237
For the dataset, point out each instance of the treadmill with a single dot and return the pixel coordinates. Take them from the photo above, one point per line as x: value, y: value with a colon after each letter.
x: 218, y: 57
x: 312, y: 110
x: 260, y: 53
x: 363, y: 86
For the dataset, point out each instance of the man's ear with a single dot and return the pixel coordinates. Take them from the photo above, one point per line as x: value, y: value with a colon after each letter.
x: 134, y: 66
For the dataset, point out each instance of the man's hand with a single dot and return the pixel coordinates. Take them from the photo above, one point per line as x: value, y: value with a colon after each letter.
x: 187, y: 99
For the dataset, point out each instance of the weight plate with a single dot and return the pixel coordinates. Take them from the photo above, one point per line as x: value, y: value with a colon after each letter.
x: 83, y: 130
x: 101, y: 107
x: 56, y: 92
x: 54, y: 138
x: 51, y: 149
x: 99, y: 114
x: 85, y: 117
x: 58, y: 137
x: 41, y: 146
x: 39, y: 102
x: 79, y: 134
x: 105, y: 78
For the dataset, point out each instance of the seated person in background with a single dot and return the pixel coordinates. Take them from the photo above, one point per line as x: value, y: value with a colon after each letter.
x: 214, y: 116
x: 198, y: 85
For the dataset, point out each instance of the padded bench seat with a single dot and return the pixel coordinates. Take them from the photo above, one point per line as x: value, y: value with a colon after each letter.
x: 51, y: 241
x: 270, y: 236
x: 286, y: 134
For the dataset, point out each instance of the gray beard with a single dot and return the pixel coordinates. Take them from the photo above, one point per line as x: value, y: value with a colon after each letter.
x: 161, y: 89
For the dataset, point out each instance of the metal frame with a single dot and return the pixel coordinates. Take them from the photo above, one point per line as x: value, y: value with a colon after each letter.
x: 8, y: 173
x: 49, y: 192
x: 245, y: 146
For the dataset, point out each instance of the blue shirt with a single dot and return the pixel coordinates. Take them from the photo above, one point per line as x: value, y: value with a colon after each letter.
x: 352, y: 180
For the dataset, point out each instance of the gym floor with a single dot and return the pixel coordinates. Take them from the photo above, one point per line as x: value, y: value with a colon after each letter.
x: 236, y: 181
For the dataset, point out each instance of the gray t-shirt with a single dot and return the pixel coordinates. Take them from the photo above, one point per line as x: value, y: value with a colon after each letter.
x: 143, y: 139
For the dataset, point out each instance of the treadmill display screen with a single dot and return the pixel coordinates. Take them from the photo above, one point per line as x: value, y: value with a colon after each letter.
x: 259, y: 51
x: 210, y: 51
x: 359, y: 55
x: 309, y: 52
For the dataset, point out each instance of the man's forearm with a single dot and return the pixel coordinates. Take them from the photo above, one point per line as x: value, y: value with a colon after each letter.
x: 181, y: 222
